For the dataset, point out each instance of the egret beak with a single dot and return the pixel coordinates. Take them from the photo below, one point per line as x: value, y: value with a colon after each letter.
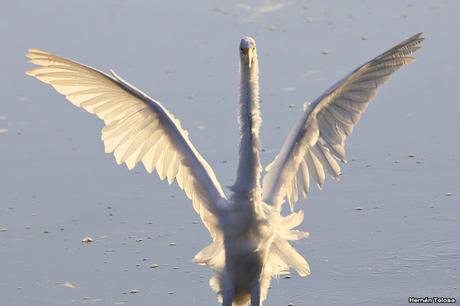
x: 250, y: 55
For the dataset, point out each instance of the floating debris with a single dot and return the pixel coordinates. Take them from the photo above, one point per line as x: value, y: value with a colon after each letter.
x: 3, y: 229
x: 171, y: 292
x: 175, y: 268
x: 194, y: 222
x: 363, y: 38
x: 324, y: 52
x: 68, y: 285
x: 87, y: 239
x: 46, y: 232
x: 449, y: 194
x: 154, y: 266
x: 418, y: 162
x: 272, y: 28
x: 134, y: 291
x: 411, y: 155
x: 139, y: 240
x: 172, y: 244
x: 358, y: 208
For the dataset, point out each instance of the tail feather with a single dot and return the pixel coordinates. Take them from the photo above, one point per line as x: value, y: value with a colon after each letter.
x: 290, y: 257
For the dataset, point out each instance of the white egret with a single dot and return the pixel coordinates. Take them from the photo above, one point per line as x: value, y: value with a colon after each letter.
x: 250, y: 238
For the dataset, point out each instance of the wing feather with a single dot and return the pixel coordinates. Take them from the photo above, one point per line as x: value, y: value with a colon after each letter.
x: 137, y: 128
x: 317, y: 140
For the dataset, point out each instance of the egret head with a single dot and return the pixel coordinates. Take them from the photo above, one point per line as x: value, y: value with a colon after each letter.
x: 248, y: 51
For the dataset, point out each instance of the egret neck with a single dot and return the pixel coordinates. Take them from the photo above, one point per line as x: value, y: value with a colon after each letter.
x: 249, y: 119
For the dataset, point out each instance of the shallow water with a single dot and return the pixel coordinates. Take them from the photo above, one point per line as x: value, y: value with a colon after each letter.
x: 57, y: 186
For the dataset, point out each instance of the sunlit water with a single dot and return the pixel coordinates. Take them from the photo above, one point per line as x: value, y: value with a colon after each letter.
x: 387, y: 231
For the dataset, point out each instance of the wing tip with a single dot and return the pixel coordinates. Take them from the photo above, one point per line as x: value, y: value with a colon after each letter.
x: 30, y: 72
x: 34, y: 52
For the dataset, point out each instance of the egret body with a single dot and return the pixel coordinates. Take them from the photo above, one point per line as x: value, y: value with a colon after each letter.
x: 250, y: 238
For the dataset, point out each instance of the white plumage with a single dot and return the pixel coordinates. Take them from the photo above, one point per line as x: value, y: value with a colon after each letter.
x: 250, y: 236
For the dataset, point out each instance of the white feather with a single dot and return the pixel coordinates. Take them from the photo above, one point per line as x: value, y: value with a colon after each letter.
x: 332, y: 117
x: 138, y: 128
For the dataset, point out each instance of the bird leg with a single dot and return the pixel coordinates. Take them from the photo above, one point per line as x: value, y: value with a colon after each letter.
x: 255, y: 295
x: 229, y: 292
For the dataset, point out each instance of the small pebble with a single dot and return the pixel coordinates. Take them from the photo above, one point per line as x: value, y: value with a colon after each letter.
x: 68, y: 285
x: 87, y: 239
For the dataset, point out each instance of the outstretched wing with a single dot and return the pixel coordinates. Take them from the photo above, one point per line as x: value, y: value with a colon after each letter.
x: 137, y: 128
x: 317, y: 140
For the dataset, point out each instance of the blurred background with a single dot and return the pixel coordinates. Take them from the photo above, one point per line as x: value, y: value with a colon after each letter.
x: 388, y: 230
